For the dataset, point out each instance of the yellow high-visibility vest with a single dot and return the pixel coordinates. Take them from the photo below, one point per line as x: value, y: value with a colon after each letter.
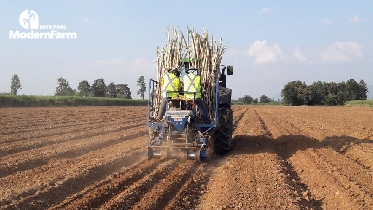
x: 170, y: 82
x: 192, y: 84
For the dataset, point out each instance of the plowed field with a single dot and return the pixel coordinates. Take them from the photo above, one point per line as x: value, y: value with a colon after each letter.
x: 94, y: 158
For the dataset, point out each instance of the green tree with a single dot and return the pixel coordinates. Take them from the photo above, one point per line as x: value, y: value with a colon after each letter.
x: 124, y: 91
x: 318, y: 93
x: 84, y: 88
x: 99, y: 88
x: 331, y: 98
x: 363, y: 90
x: 15, y: 84
x: 142, y: 86
x: 255, y: 101
x: 246, y: 99
x: 304, y: 93
x: 353, y: 89
x: 112, y: 90
x: 290, y: 93
x: 63, y: 88
x: 264, y: 99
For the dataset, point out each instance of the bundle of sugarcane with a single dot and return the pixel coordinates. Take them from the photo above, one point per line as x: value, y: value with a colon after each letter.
x: 206, y: 54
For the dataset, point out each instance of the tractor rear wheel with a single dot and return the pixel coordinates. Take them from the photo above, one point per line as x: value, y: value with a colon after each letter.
x: 223, y: 133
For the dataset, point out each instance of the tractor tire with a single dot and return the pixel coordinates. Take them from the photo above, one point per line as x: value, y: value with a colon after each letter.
x: 223, y: 133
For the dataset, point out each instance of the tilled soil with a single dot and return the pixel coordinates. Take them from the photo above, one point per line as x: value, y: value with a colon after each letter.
x: 94, y: 158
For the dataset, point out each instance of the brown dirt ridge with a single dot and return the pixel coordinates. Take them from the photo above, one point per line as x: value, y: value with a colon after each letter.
x: 94, y: 158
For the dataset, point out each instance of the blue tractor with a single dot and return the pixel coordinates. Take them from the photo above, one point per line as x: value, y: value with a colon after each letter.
x: 182, y: 132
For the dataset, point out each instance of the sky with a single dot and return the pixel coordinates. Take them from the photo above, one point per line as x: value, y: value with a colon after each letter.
x: 269, y: 43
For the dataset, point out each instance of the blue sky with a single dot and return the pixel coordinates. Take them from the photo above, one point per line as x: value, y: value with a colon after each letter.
x: 269, y: 42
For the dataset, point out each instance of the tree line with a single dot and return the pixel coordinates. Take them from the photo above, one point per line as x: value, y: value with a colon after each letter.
x: 97, y: 89
x: 247, y: 99
x: 296, y: 93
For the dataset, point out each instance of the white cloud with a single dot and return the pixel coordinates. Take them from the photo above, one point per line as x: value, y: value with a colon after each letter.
x: 265, y: 53
x: 299, y: 55
x: 88, y: 20
x: 341, y: 52
x: 356, y: 19
x: 267, y: 9
x: 326, y: 21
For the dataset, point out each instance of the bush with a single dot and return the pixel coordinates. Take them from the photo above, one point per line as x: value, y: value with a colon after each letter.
x: 360, y: 103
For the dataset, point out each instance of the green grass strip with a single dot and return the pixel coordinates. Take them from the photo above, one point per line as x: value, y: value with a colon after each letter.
x: 44, y: 101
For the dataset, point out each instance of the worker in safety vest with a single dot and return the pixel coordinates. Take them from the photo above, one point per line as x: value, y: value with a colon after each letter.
x: 170, y: 84
x: 192, y: 91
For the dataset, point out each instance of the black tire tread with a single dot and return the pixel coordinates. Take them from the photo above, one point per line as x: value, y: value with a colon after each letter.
x: 223, y: 133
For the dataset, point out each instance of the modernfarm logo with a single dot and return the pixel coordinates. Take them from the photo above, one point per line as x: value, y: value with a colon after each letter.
x: 29, y: 20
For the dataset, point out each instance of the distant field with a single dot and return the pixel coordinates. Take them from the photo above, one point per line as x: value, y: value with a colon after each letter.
x: 360, y: 103
x: 270, y: 103
x: 43, y: 101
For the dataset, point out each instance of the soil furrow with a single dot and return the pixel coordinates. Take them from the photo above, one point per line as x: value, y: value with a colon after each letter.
x: 96, y: 195
x: 16, y: 146
x: 353, y: 177
x: 362, y: 154
x: 26, y: 137
x: 161, y: 193
x: 71, y: 153
x: 325, y: 183
x: 94, y: 158
x: 135, y: 191
x: 300, y: 190
x: 43, y: 152
x: 47, y: 123
x: 49, y: 197
x: 189, y: 196
x: 56, y: 172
